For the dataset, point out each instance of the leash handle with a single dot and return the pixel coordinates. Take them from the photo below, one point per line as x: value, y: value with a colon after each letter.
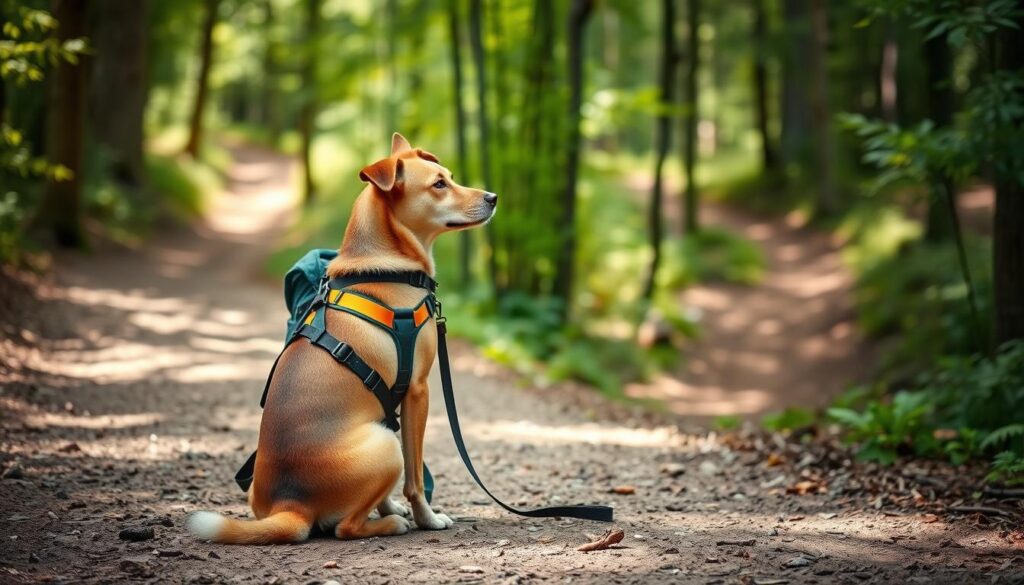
x: 598, y: 513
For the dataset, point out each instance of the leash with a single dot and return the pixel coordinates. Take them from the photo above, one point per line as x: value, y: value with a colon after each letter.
x: 583, y: 512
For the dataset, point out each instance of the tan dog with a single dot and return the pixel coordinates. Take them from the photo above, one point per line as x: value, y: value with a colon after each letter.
x: 324, y: 457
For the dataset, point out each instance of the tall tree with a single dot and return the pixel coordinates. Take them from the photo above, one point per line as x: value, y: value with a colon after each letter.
x: 821, y: 117
x: 307, y: 115
x: 662, y: 136
x: 887, y: 86
x: 476, y: 41
x: 691, y: 221
x: 579, y: 15
x: 455, y: 36
x: 794, y: 106
x: 769, y: 156
x: 1008, y: 235
x: 195, y: 135
x: 60, y: 211
x: 938, y: 65
x: 269, y: 115
x: 118, y: 75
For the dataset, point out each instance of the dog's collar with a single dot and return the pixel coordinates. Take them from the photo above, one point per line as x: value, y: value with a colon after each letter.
x: 416, y: 278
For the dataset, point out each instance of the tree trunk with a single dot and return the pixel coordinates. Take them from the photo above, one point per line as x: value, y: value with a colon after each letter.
x: 662, y: 137
x: 118, y: 76
x: 938, y: 223
x: 454, y: 19
x: 579, y: 14
x: 307, y: 115
x: 769, y: 157
x: 795, y: 107
x: 821, y: 117
x: 195, y: 136
x: 60, y: 211
x: 1008, y: 236
x: 690, y: 96
x: 269, y: 115
x: 887, y: 86
x: 476, y: 41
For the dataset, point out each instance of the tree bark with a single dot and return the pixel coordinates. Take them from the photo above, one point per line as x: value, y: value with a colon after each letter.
x: 119, y: 76
x: 795, y: 107
x: 454, y: 19
x: 769, y: 156
x: 662, y: 137
x: 1008, y: 235
x: 307, y: 115
x: 195, y: 136
x: 579, y: 14
x: 887, y: 86
x: 60, y: 211
x: 690, y: 117
x: 828, y: 203
x: 938, y: 223
x: 476, y: 41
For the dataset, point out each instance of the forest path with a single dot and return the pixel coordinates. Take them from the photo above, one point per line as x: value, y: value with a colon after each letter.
x: 129, y: 391
x: 789, y: 340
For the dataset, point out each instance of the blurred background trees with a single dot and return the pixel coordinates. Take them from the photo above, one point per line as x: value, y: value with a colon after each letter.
x: 863, y: 118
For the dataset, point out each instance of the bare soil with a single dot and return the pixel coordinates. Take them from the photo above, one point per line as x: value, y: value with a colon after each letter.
x: 129, y: 384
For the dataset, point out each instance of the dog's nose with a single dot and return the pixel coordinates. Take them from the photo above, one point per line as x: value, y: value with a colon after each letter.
x: 491, y: 199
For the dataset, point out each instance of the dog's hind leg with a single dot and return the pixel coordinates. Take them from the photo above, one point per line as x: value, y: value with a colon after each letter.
x: 372, y: 468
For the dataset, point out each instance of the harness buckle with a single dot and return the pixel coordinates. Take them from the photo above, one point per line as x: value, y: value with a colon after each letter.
x: 372, y: 379
x: 342, y: 352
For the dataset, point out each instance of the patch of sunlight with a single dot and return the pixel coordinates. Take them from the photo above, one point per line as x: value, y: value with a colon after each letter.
x: 588, y: 433
x: 130, y: 300
x: 238, y: 346
x: 221, y: 372
x: 105, y: 421
x: 701, y: 400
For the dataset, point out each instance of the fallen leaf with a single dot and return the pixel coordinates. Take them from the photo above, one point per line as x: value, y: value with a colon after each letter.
x: 611, y: 537
x: 929, y: 518
x: 775, y: 459
x: 624, y: 490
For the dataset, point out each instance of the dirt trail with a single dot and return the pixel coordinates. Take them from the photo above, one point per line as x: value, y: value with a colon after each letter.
x: 790, y: 340
x: 129, y: 388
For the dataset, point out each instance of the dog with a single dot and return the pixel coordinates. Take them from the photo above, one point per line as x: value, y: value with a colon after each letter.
x: 324, y: 457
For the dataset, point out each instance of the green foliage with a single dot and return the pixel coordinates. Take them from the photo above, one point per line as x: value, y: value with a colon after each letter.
x: 790, y: 419
x: 183, y: 184
x: 887, y: 428
x: 712, y: 255
x: 980, y: 392
x: 1008, y: 468
x: 26, y: 46
x: 727, y: 423
x: 918, y: 295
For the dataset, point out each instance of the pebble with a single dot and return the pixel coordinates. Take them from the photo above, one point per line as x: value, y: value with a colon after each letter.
x: 473, y: 569
x: 15, y: 471
x: 798, y: 562
x: 137, y: 533
x: 673, y: 469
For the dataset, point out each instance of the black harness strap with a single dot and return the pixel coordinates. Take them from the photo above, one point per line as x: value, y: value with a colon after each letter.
x: 419, y: 279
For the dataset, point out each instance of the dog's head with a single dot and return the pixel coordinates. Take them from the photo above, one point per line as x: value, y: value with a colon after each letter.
x: 422, y: 195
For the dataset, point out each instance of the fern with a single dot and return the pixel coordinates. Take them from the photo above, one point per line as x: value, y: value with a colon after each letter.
x: 1003, y: 435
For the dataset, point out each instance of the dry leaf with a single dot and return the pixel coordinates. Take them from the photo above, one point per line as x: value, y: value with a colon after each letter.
x: 775, y: 459
x: 611, y: 537
x: 624, y: 490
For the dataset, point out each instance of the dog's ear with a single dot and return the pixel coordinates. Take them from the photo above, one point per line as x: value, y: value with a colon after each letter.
x: 384, y: 173
x: 426, y: 155
x: 399, y: 144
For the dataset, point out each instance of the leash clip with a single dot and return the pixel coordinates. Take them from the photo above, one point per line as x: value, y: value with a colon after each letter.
x: 439, y: 317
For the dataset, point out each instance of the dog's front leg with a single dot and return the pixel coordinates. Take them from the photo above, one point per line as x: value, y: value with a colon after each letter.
x: 414, y: 425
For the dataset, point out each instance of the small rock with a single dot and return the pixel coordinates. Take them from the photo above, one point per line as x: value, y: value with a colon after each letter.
x: 798, y: 562
x: 472, y: 569
x: 331, y: 582
x: 673, y: 469
x: 213, y: 555
x: 708, y: 468
x: 330, y: 565
x: 71, y: 447
x: 14, y: 471
x: 52, y: 515
x: 33, y: 558
x: 624, y: 490
x: 137, y: 533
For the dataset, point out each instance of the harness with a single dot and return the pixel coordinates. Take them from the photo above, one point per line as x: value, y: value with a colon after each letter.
x: 404, y: 326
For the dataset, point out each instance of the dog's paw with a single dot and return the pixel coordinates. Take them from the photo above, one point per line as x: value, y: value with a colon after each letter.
x: 435, y: 522
x: 390, y: 507
x: 401, y: 524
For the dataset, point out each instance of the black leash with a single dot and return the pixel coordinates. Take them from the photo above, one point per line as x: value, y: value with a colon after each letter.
x: 583, y: 512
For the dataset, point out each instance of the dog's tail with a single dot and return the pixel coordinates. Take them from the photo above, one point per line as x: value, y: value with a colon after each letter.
x: 282, y: 526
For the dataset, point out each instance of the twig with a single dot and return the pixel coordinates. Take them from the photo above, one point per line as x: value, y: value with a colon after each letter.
x: 748, y: 542
x: 611, y: 537
x: 979, y: 509
x: 1004, y: 492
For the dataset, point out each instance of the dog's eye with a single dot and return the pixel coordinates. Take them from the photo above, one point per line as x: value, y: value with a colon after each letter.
x: 440, y: 184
